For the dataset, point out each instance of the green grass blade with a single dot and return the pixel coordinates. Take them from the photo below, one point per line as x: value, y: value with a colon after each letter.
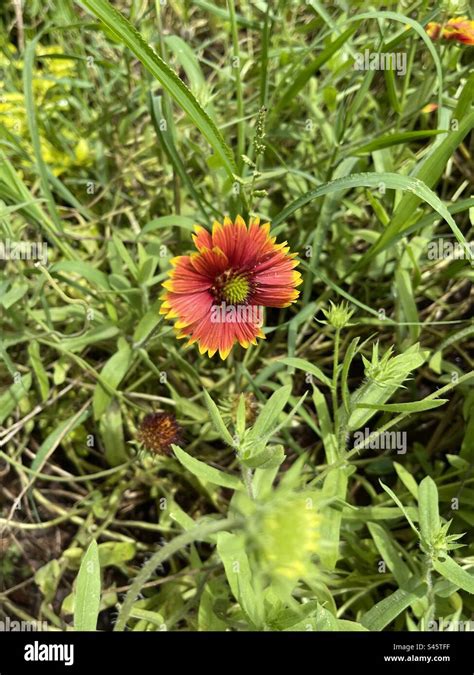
x: 128, y: 35
x: 299, y: 80
x: 389, y: 180
x: 385, y: 611
x: 429, y: 172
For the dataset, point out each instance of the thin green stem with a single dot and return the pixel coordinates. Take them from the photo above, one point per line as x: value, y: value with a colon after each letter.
x: 198, y: 533
x: 247, y: 478
x: 335, y: 376
x: 238, y: 86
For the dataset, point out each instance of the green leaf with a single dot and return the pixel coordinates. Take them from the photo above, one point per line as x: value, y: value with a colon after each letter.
x: 427, y: 174
x: 208, y: 621
x: 87, y: 593
x: 413, y: 406
x: 39, y: 370
x: 150, y: 617
x: 389, y: 553
x: 205, y: 473
x: 47, y: 578
x: 450, y: 570
x: 334, y: 486
x: 301, y: 77
x: 240, y: 416
x: 111, y: 431
x: 325, y: 620
x: 83, y: 269
x: 348, y: 358
x: 268, y: 458
x: 405, y: 302
x: 111, y: 374
x: 308, y: 367
x: 385, y: 611
x: 269, y: 414
x: 128, y: 35
x: 428, y: 509
x: 396, y: 139
x: 466, y: 99
x: 231, y: 550
x: 147, y: 325
x: 53, y: 439
x: 13, y: 395
x: 14, y: 295
x: 407, y: 479
x: 400, y: 506
x: 413, y: 185
x: 188, y: 61
x: 116, y: 552
x: 168, y: 222
x: 263, y: 480
x: 344, y: 625
x: 326, y: 425
x: 366, y: 513
x: 217, y: 420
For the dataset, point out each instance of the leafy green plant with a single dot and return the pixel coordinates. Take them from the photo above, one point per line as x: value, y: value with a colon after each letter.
x: 322, y: 478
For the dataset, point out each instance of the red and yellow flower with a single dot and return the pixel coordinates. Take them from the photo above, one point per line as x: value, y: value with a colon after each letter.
x: 238, y: 267
x: 458, y: 28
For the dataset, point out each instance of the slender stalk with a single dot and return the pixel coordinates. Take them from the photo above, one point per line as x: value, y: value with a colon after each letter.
x: 198, y: 533
x: 335, y: 375
x: 247, y: 478
x: 238, y: 86
x: 430, y: 595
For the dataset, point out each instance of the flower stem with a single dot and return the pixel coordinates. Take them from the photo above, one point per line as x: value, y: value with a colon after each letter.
x: 335, y: 375
x: 247, y: 478
x: 238, y: 85
x: 197, y: 533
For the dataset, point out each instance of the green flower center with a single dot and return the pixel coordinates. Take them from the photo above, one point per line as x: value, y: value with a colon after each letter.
x: 236, y: 289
